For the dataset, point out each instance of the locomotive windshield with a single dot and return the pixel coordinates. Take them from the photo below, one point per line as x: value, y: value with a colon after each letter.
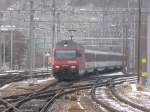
x: 67, y: 54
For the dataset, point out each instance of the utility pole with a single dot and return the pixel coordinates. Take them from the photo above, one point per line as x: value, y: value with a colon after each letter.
x: 124, y: 47
x: 58, y: 26
x: 11, y: 61
x: 44, y: 42
x: 11, y: 38
x: 0, y: 51
x: 139, y: 38
x: 53, y: 27
x: 33, y: 51
x: 148, y: 51
x: 4, y: 52
x: 31, y: 38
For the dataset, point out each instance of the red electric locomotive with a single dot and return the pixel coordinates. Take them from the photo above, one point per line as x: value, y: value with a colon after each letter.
x: 68, y: 60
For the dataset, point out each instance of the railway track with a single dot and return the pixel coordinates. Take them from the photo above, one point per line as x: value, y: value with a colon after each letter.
x: 71, y: 90
x: 20, y: 76
x: 114, y: 102
x: 43, y: 93
x: 57, y: 90
x: 8, y: 105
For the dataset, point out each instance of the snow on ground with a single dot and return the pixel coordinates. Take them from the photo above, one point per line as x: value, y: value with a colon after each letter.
x: 42, y: 69
x: 106, y: 96
x: 129, y: 91
x: 10, y: 71
x: 44, y: 80
x: 37, y: 70
x: 27, y: 86
x: 5, y: 86
x: 38, y: 81
x: 146, y: 93
x: 118, y: 73
x: 134, y: 89
x: 133, y: 86
x: 3, y: 74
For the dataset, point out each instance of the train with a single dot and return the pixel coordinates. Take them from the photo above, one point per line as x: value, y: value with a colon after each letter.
x: 70, y: 60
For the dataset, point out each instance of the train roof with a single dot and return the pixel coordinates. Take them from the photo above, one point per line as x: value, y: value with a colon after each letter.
x: 68, y: 44
x: 102, y: 52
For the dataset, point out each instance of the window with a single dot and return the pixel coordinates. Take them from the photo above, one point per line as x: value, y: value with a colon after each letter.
x: 67, y: 54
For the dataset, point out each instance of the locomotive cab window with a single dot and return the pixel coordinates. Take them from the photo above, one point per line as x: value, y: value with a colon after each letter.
x: 79, y: 54
x: 68, y: 54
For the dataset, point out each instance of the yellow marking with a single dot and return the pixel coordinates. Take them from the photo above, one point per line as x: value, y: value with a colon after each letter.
x: 143, y: 74
x: 143, y: 61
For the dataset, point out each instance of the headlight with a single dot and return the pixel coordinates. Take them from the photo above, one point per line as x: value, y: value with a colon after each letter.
x: 56, y: 66
x: 73, y: 67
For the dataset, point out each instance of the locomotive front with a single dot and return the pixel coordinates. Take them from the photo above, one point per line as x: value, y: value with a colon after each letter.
x: 66, y: 61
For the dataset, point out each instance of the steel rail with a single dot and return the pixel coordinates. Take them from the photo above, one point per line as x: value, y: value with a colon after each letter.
x: 52, y: 92
x: 105, y: 105
x: 111, y: 82
x: 62, y: 92
x: 134, y: 105
x: 9, y: 106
